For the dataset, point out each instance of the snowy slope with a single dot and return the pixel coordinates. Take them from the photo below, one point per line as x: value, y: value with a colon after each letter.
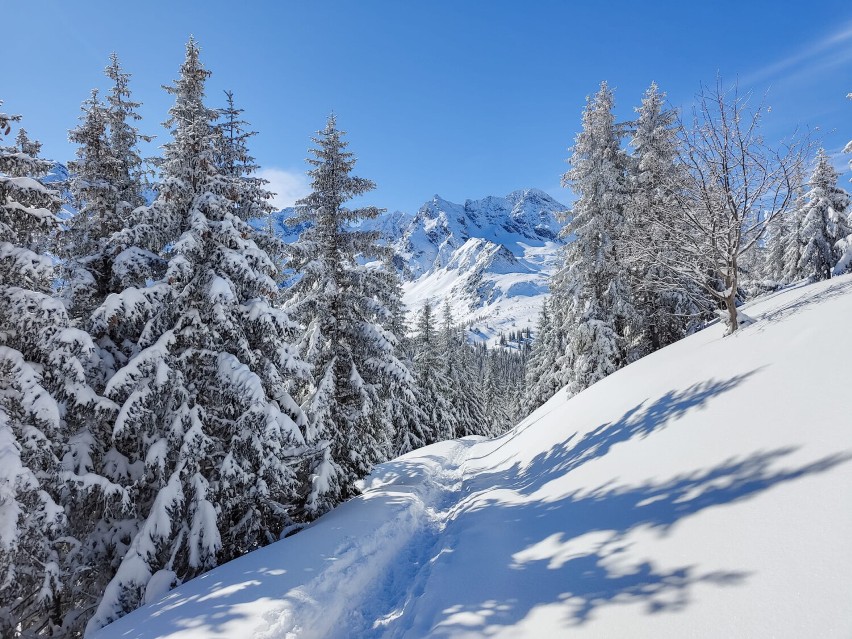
x: 704, y: 491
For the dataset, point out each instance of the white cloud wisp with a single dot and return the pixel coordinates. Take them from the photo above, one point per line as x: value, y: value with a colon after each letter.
x: 288, y: 186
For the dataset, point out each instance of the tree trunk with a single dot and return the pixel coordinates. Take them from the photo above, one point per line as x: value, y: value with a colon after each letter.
x: 731, y: 280
x: 731, y: 307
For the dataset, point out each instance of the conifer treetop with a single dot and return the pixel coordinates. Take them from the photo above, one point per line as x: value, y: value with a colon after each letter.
x: 331, y: 182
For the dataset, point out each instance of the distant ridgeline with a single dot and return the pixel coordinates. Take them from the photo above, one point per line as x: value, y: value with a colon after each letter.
x: 489, y: 259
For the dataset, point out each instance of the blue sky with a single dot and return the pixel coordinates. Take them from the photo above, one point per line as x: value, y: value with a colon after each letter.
x: 463, y: 98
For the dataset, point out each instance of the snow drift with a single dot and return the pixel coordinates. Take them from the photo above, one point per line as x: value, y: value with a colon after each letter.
x: 702, y: 491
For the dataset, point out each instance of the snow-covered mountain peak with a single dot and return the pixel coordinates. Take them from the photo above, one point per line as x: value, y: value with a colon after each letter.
x: 58, y: 174
x: 529, y: 213
x: 488, y: 258
x: 536, y: 209
x: 478, y: 254
x: 441, y: 226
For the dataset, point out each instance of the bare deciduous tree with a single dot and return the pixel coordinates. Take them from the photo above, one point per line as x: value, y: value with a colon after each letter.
x: 731, y: 186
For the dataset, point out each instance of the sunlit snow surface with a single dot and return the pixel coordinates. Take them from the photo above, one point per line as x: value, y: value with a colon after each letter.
x: 704, y: 491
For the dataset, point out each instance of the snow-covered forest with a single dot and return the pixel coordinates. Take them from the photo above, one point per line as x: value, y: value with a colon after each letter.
x: 180, y: 387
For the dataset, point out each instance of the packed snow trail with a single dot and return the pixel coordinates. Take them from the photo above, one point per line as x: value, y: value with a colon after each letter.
x: 324, y: 586
x: 403, y: 578
x: 703, y: 491
x: 340, y: 601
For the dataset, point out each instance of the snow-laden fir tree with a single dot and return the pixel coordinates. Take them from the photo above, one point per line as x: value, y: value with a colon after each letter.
x: 591, y: 282
x: 25, y: 145
x: 793, y: 244
x: 249, y: 197
x: 844, y: 246
x: 345, y: 306
x: 432, y: 382
x: 130, y: 174
x: 233, y: 159
x: 106, y: 185
x: 27, y: 219
x: 401, y: 399
x: 824, y: 221
x: 46, y: 402
x: 496, y: 396
x: 784, y: 245
x: 467, y: 398
x: 207, y: 439
x: 95, y: 199
x: 93, y: 497
x: 778, y: 235
x: 33, y: 521
x: 666, y: 305
x: 544, y: 375
x: 119, y: 261
x: 411, y: 429
x: 508, y: 370
x: 462, y: 378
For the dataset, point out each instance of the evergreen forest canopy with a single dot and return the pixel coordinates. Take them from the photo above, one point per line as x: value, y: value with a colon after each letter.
x: 178, y: 387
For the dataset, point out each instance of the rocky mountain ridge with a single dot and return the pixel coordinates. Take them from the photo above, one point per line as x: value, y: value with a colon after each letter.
x: 489, y: 259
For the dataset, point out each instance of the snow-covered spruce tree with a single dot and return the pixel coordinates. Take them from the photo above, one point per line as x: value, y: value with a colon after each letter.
x: 666, y: 306
x: 543, y: 374
x: 411, y: 429
x: 95, y: 199
x: 249, y: 196
x: 121, y: 263
x: 430, y: 372
x: 124, y: 139
x: 233, y: 159
x: 468, y: 401
x: 99, y: 499
x: 94, y: 496
x: 400, y: 399
x: 844, y: 246
x: 515, y: 380
x: 591, y: 282
x: 106, y: 185
x: 45, y: 401
x: 31, y: 148
x: 345, y: 306
x: 207, y: 439
x: 33, y: 522
x: 27, y: 219
x: 462, y: 377
x: 778, y: 235
x: 496, y: 396
x: 784, y: 245
x: 824, y: 221
x: 500, y: 376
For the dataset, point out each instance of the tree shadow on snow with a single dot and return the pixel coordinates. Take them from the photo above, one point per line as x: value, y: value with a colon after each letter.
x: 801, y: 303
x: 569, y: 549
